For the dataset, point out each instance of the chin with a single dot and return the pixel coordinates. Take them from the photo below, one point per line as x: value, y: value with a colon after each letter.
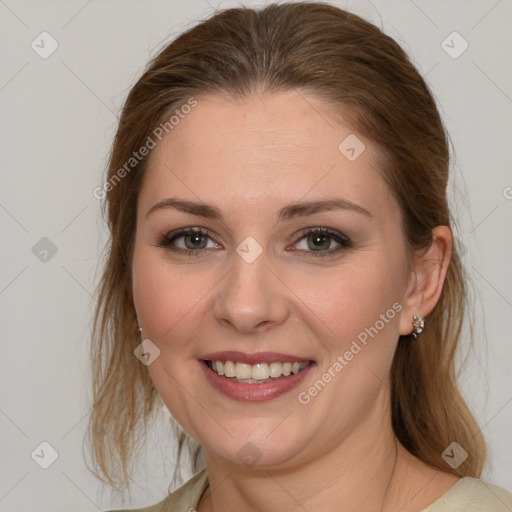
x: 260, y: 448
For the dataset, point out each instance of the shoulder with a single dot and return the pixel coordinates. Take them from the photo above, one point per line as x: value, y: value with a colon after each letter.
x: 473, y: 495
x: 183, y: 499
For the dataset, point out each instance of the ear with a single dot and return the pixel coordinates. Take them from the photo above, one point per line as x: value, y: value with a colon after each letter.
x: 429, y: 267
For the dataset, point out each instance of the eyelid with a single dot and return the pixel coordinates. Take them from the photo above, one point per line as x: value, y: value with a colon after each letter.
x: 167, y: 239
x: 343, y: 241
x: 323, y: 230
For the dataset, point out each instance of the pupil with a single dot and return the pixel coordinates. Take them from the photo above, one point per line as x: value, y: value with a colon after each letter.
x: 320, y: 241
x: 196, y: 242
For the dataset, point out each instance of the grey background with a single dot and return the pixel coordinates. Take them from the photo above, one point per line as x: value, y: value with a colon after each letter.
x: 58, y: 119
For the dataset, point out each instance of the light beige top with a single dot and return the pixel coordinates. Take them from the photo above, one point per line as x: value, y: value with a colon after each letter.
x: 467, y: 495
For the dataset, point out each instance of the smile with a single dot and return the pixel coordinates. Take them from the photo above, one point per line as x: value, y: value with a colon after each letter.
x: 254, y: 382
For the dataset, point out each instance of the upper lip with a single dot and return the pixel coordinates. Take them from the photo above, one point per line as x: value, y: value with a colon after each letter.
x: 257, y: 357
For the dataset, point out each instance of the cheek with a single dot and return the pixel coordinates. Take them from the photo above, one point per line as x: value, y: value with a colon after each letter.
x: 164, y: 297
x: 351, y: 299
x: 355, y: 312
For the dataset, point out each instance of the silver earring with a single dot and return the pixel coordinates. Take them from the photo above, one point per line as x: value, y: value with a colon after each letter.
x: 419, y: 325
x: 140, y: 330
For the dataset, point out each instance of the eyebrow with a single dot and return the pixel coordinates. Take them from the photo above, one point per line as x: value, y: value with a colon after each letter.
x: 291, y: 211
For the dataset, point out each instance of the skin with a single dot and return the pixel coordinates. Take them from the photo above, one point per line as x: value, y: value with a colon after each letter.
x: 250, y: 159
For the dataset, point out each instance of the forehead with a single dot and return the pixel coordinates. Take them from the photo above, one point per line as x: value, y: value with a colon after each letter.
x: 278, y: 147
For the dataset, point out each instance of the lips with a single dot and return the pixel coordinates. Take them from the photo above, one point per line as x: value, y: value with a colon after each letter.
x: 261, y: 388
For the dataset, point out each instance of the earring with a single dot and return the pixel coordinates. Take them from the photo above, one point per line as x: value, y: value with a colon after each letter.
x: 140, y: 330
x: 419, y: 325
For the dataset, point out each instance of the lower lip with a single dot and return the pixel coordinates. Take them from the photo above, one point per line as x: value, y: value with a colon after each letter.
x: 254, y: 392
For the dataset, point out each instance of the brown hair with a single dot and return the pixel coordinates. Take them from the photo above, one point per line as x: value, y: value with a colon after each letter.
x: 353, y: 65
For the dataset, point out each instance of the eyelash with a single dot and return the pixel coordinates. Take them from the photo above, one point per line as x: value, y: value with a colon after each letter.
x: 343, y: 241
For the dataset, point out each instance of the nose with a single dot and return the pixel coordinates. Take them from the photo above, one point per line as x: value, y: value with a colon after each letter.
x: 251, y: 298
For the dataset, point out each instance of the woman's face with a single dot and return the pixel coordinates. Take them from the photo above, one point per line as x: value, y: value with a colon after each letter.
x: 271, y: 169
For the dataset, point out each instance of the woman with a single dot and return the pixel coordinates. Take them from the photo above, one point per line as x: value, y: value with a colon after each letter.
x: 282, y: 273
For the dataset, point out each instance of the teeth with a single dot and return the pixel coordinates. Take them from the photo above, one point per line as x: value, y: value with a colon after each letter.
x: 275, y: 369
x: 256, y: 372
x: 243, y: 371
x: 260, y: 371
x: 229, y: 368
